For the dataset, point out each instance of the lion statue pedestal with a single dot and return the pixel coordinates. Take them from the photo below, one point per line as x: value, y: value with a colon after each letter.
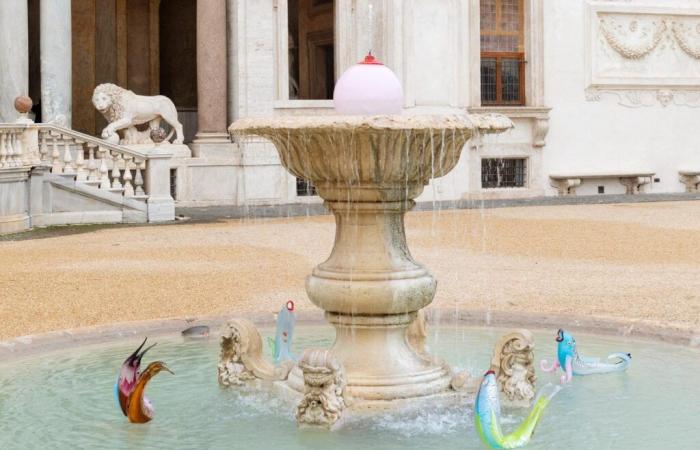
x: 178, y: 150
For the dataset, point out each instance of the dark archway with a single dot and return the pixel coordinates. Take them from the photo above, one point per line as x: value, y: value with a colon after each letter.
x: 178, y: 60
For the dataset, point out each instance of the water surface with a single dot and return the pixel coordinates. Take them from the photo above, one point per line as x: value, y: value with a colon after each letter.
x: 64, y: 400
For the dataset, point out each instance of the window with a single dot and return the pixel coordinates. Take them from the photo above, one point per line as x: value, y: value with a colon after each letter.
x: 173, y: 183
x: 503, y: 172
x: 502, y: 52
x: 311, y: 34
x: 305, y: 188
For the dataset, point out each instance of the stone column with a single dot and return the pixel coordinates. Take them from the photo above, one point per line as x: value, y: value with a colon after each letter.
x: 211, y: 74
x: 14, y: 56
x: 55, y: 35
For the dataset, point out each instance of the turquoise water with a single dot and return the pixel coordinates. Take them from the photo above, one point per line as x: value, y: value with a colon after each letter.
x: 64, y: 400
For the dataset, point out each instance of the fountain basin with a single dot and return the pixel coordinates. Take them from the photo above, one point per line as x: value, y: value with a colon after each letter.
x: 370, y: 158
x: 63, y: 400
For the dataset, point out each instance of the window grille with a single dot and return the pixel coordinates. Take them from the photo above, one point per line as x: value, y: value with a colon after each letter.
x: 503, y: 172
x: 305, y: 188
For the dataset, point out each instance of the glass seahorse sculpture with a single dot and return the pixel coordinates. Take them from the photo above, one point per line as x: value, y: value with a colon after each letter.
x: 131, y: 385
x: 487, y: 415
x: 574, y: 364
x: 283, y: 335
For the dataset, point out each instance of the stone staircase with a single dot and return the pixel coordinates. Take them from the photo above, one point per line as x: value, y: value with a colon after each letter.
x: 50, y: 175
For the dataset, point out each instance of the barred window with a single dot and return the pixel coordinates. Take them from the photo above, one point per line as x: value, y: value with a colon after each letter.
x: 503, y: 172
x: 502, y: 52
x: 305, y: 188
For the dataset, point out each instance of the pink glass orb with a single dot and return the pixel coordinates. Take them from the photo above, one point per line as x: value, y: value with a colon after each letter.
x: 368, y: 88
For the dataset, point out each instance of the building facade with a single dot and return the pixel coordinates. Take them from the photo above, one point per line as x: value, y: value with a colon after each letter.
x: 604, y: 94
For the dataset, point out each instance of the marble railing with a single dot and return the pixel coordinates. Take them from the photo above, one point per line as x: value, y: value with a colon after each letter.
x: 84, y: 158
x: 11, y: 147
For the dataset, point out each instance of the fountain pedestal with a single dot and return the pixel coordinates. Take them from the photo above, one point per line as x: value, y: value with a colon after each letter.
x: 369, y: 170
x: 371, y: 289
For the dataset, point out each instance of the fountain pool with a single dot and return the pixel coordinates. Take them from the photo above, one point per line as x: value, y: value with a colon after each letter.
x: 64, y: 399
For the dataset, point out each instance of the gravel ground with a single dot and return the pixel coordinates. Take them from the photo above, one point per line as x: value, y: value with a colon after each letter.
x: 623, y: 261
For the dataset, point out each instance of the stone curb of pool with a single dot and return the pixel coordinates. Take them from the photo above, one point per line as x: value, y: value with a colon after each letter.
x: 55, y: 340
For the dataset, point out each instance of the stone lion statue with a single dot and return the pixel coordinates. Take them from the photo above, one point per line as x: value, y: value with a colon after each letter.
x: 124, y: 110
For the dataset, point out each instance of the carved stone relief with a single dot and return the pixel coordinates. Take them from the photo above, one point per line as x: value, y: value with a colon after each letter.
x: 324, y: 384
x: 643, y: 56
x: 241, y: 356
x: 512, y: 361
x: 637, y: 98
x: 634, y: 36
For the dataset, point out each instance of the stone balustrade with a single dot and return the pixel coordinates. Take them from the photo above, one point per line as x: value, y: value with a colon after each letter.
x: 102, y: 165
x: 84, y: 158
x: 11, y: 149
x: 106, y: 172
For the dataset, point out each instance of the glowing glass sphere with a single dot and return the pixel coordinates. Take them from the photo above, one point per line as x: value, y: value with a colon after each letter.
x: 368, y: 88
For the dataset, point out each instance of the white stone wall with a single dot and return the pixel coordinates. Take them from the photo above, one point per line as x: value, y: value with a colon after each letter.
x: 608, y: 113
x: 609, y: 131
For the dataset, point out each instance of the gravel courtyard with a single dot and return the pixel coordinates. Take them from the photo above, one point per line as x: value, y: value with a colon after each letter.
x: 621, y: 261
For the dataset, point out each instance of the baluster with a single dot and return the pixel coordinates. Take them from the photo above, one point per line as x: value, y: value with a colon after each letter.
x: 56, y: 165
x: 116, y: 174
x: 128, y: 187
x: 93, y: 174
x: 138, y: 180
x: 18, y: 149
x: 44, y: 149
x: 80, y: 162
x: 68, y: 168
x: 10, y: 149
x: 3, y: 151
x: 104, y: 170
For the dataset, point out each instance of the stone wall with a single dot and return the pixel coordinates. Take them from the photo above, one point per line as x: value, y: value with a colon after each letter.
x: 614, y: 111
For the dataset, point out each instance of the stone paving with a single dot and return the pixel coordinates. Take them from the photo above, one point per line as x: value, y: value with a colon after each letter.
x: 618, y: 261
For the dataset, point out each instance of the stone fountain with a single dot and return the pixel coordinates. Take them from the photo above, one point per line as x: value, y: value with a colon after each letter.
x: 369, y: 170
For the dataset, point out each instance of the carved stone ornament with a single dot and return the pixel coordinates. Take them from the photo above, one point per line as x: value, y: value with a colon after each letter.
x: 687, y: 34
x: 639, y: 98
x: 324, y: 397
x: 644, y: 54
x: 540, y: 128
x: 633, y: 40
x: 634, y: 37
x: 241, y: 356
x: 513, y: 362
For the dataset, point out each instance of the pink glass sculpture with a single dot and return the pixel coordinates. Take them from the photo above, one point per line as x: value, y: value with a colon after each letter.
x: 367, y: 89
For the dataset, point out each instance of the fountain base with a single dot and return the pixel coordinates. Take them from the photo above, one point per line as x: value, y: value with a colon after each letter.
x: 380, y: 362
x: 395, y: 371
